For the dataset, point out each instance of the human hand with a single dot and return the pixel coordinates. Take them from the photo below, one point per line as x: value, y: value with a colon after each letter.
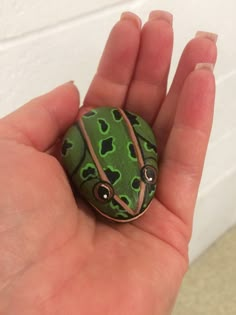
x: 56, y: 256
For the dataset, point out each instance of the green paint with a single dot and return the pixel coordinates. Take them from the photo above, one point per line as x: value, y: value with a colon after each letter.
x: 134, y: 181
x: 111, y: 141
x: 88, y: 171
x: 103, y: 126
x: 119, y: 162
x: 131, y: 151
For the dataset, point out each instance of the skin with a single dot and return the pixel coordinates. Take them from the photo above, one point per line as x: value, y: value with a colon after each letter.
x: 56, y: 256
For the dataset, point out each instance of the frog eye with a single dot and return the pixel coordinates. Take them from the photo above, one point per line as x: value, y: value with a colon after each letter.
x: 149, y: 174
x: 103, y: 191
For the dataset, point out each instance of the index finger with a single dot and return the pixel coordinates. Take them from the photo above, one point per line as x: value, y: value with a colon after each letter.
x: 111, y: 82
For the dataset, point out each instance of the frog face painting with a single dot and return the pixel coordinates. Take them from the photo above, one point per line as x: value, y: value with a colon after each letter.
x: 111, y: 159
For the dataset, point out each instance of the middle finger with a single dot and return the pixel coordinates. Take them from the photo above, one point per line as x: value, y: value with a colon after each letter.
x: 148, y: 87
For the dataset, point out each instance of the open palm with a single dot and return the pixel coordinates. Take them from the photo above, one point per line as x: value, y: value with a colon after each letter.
x: 56, y: 255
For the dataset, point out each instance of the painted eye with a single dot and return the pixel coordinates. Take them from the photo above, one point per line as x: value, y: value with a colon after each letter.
x: 149, y: 174
x: 103, y: 191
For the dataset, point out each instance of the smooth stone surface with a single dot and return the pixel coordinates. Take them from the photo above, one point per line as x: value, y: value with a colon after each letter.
x: 111, y: 159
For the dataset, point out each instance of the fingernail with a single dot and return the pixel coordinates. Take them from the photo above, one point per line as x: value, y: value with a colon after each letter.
x: 205, y: 66
x: 161, y: 15
x: 212, y: 36
x: 131, y: 17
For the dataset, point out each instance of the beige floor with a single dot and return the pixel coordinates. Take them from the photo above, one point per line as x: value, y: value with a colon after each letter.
x: 209, y: 287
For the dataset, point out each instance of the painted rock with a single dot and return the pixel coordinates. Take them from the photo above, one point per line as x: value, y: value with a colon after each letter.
x: 110, y: 157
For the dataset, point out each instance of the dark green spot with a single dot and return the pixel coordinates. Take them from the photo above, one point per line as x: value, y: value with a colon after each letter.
x: 131, y: 151
x: 132, y: 118
x: 116, y: 114
x: 90, y: 114
x: 116, y: 205
x: 150, y: 147
x: 103, y: 126
x: 122, y: 214
x: 125, y: 199
x: 136, y: 183
x: 89, y: 171
x: 66, y: 146
x: 112, y: 175
x: 106, y: 146
x: 151, y: 190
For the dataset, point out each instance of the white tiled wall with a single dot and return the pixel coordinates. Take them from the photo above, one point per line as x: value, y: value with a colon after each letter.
x: 46, y: 43
x: 31, y: 16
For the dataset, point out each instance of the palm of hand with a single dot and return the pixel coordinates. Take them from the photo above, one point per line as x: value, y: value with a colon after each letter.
x: 70, y: 260
x: 57, y: 259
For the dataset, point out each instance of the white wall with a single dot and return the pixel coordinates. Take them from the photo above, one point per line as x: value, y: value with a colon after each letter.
x: 46, y: 43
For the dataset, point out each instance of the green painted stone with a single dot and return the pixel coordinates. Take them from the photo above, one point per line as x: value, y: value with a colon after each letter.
x: 110, y: 157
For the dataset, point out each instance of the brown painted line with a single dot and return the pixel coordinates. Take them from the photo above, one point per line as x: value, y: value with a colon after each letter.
x: 139, y: 157
x: 122, y: 220
x: 141, y: 197
x: 90, y: 147
x: 133, y: 138
x: 124, y: 205
x: 99, y: 167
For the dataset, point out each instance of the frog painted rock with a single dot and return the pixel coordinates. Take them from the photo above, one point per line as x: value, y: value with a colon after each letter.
x: 111, y: 159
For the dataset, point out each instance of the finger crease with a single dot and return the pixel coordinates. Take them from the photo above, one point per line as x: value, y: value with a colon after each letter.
x: 153, y: 84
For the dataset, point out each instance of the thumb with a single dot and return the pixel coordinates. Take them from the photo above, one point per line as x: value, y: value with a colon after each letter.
x: 40, y: 122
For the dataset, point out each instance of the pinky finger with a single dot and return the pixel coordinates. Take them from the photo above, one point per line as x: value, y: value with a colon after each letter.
x: 184, y: 155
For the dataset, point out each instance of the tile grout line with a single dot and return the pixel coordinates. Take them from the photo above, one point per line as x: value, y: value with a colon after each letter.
x: 66, y: 24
